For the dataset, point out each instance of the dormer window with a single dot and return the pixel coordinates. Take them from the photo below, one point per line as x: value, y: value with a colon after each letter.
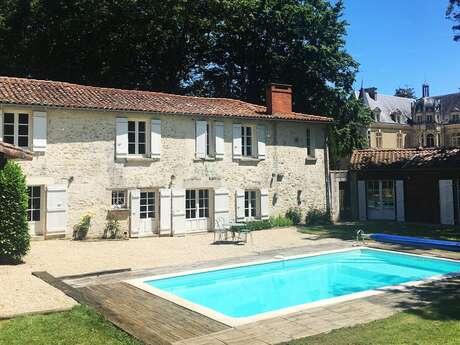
x: 455, y: 117
x: 429, y: 118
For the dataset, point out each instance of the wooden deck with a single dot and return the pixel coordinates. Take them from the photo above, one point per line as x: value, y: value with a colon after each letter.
x: 145, y: 316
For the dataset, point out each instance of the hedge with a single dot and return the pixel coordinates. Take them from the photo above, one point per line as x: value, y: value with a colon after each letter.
x: 14, y: 230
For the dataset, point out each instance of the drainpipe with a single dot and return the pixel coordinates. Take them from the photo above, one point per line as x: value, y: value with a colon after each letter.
x: 327, y: 174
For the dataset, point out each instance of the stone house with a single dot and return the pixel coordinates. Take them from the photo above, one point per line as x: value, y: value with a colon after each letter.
x: 163, y: 164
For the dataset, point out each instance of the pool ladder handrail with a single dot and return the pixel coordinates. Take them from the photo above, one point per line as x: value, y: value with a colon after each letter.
x: 359, y: 238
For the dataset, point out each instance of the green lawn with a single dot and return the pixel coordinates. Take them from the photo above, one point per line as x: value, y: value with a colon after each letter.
x: 347, y: 230
x: 438, y: 324
x: 79, y: 326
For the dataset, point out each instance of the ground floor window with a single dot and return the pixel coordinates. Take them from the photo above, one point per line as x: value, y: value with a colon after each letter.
x: 33, y: 209
x: 118, y: 199
x: 250, y: 203
x: 147, y: 205
x: 380, y: 194
x: 196, y: 203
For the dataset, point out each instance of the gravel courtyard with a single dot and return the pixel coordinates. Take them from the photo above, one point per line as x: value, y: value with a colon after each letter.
x: 24, y: 293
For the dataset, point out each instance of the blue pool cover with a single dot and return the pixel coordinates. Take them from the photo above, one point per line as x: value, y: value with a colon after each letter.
x: 417, y: 242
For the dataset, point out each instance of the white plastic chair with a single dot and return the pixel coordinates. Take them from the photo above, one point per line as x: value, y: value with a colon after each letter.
x: 220, y: 230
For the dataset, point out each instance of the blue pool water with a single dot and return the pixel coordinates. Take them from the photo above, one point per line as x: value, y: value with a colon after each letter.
x: 250, y: 290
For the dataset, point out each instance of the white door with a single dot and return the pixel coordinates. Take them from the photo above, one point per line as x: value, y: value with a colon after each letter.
x: 35, y: 209
x: 148, y: 213
x: 197, y: 210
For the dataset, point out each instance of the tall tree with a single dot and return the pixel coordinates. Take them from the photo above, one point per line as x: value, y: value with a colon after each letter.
x: 453, y: 12
x: 407, y: 92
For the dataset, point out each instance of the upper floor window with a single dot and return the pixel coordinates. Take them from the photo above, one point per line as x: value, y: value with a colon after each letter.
x: 136, y: 137
x: 247, y: 138
x: 378, y: 139
x: 310, y: 151
x: 429, y: 140
x: 16, y: 128
x: 455, y: 117
x: 429, y: 118
x: 399, y: 140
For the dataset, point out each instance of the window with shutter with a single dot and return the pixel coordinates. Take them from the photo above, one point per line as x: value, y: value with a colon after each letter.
x: 16, y: 128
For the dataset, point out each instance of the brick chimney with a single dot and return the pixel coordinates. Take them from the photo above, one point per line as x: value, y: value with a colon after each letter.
x: 279, y: 98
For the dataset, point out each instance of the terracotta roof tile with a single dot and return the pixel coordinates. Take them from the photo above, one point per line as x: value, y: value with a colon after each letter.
x: 405, y: 158
x: 11, y: 151
x: 60, y: 94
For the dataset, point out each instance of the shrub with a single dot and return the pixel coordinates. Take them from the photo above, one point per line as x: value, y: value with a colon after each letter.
x: 259, y: 225
x: 14, y: 229
x: 81, y: 229
x: 318, y: 217
x: 294, y: 214
x: 112, y: 227
x: 280, y: 221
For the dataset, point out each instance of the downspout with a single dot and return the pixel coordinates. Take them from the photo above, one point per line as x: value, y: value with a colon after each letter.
x: 327, y: 174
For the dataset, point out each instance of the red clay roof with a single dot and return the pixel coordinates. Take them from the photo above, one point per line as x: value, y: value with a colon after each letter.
x: 60, y: 94
x: 11, y: 151
x: 405, y: 158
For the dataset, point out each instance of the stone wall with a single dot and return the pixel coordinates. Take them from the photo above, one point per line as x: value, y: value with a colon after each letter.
x: 81, y: 154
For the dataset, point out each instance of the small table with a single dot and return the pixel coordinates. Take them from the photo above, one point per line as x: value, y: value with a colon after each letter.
x: 239, y: 228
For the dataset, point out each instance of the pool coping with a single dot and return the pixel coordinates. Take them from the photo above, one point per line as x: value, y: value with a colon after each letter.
x: 239, y: 321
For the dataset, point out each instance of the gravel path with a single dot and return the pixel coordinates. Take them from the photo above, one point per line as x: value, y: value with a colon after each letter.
x: 23, y: 293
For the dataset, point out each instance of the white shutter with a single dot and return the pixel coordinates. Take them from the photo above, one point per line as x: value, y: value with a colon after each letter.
x: 221, y: 216
x: 39, y: 129
x: 178, y: 212
x: 446, y: 202
x: 400, y: 215
x: 56, y: 210
x: 200, y: 139
x: 1, y: 125
x: 165, y: 211
x: 155, y: 138
x: 362, y: 200
x: 121, y: 148
x: 239, y: 201
x: 219, y: 139
x: 134, y: 221
x: 264, y: 203
x: 261, y: 139
x: 236, y: 141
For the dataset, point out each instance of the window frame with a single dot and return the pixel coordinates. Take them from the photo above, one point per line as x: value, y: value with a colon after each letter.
x: 378, y: 139
x: 117, y: 206
x: 150, y: 208
x: 16, y: 127
x: 399, y: 140
x: 455, y: 139
x: 210, y: 139
x: 251, y: 204
x: 431, y: 135
x: 376, y: 197
x: 136, y: 141
x: 244, y: 141
x: 31, y: 209
x: 197, y: 207
x: 309, y: 143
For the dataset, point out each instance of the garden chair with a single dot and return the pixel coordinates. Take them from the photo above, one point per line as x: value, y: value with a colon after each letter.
x: 220, y: 230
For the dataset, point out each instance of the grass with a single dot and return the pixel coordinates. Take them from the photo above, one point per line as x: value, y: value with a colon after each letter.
x: 437, y: 324
x: 79, y: 326
x: 346, y: 231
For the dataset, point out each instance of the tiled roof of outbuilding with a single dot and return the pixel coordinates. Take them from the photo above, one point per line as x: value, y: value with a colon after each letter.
x: 61, y: 94
x: 11, y: 151
x: 405, y: 158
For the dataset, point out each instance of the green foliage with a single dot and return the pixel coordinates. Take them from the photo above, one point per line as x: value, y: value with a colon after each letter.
x: 14, y: 231
x: 80, y: 325
x: 273, y: 222
x: 81, y: 229
x: 349, y: 131
x: 407, y: 92
x: 294, y: 214
x: 280, y: 221
x: 453, y: 13
x: 317, y: 217
x: 112, y: 227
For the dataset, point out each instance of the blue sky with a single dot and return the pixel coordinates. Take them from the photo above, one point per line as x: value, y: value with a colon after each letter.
x: 403, y: 42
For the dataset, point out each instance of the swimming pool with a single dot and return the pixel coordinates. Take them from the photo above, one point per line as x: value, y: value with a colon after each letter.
x: 236, y: 295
